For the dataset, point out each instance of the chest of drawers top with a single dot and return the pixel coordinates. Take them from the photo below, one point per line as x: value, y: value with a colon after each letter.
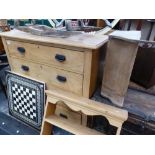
x: 80, y: 41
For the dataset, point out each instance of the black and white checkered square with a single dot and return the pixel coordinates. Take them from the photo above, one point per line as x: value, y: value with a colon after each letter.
x: 26, y: 99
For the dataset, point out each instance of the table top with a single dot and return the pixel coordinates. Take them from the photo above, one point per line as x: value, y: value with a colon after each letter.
x: 131, y: 36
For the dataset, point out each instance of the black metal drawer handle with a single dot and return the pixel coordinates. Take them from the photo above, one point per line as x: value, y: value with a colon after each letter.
x: 63, y: 116
x: 61, y: 78
x: 25, y: 68
x: 60, y: 58
x: 21, y: 50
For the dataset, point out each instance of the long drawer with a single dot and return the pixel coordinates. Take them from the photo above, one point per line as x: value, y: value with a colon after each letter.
x: 62, y: 58
x: 53, y: 77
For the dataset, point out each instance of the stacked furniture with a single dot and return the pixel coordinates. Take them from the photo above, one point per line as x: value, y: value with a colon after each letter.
x: 66, y: 65
x: 144, y: 67
x: 142, y: 77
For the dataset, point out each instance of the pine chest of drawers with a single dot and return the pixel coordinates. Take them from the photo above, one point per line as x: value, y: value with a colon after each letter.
x: 70, y: 64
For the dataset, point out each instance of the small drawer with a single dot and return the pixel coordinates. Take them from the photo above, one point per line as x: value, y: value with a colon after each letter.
x: 53, y: 77
x: 63, y: 58
x: 65, y: 112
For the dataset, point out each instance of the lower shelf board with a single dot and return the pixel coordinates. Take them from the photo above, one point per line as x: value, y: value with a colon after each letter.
x: 72, y: 127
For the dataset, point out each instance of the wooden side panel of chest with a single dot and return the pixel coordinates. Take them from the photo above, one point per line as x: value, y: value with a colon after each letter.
x: 90, y: 72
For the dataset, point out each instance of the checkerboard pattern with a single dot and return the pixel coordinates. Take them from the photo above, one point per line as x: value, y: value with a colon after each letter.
x: 26, y: 99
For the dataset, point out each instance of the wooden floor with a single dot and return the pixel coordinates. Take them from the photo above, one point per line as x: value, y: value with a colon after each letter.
x: 140, y: 103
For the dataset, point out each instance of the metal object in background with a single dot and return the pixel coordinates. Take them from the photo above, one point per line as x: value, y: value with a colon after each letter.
x: 56, y: 23
x: 108, y: 23
x: 109, y: 26
x: 65, y: 25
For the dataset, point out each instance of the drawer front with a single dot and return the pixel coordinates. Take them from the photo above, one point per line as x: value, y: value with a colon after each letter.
x: 65, y: 112
x: 54, y: 78
x: 62, y: 58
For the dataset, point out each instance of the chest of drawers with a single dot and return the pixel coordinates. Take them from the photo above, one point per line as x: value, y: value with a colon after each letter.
x: 70, y: 64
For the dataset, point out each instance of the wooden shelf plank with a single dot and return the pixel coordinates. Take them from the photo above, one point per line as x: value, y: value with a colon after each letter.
x: 71, y: 126
x: 83, y: 103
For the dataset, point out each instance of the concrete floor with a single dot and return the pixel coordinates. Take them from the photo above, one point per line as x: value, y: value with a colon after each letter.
x: 10, y: 125
x: 3, y: 103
